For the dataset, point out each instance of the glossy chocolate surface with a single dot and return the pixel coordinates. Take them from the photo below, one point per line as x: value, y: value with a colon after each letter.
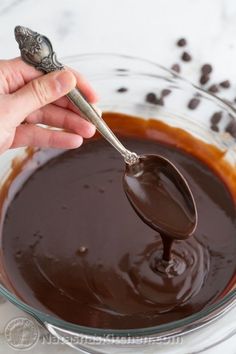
x: 74, y: 247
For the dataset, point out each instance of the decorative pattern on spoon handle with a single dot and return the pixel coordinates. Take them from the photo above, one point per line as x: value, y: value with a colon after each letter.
x: 37, y: 50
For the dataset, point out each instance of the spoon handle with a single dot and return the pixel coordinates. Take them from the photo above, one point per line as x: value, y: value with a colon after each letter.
x: 89, y: 113
x: 37, y: 51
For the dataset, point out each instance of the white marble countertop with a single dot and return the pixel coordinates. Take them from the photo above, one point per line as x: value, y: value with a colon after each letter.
x: 145, y: 28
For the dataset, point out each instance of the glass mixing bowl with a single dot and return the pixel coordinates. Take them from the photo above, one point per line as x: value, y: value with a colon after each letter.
x: 108, y: 73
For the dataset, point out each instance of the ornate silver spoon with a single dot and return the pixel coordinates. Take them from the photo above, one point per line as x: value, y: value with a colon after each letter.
x: 152, y: 177
x: 37, y: 51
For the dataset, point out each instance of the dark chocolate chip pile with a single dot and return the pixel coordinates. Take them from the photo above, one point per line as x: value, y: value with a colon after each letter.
x: 205, y: 83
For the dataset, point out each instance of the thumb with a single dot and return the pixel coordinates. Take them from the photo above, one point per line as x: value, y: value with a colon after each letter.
x: 39, y: 92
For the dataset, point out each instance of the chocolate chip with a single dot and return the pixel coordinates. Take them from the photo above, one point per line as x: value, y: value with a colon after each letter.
x: 206, y: 69
x: 122, y: 89
x: 186, y: 56
x: 213, y: 88
x: 215, y: 127
x: 216, y: 117
x: 152, y: 98
x: 165, y: 92
x: 225, y: 84
x: 176, y: 68
x: 181, y: 42
x: 160, y: 102
x: 204, y: 79
x: 231, y: 128
x: 193, y: 103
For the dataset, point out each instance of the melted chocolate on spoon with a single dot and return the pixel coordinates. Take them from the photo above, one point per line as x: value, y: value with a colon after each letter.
x: 73, y: 247
x: 162, y: 198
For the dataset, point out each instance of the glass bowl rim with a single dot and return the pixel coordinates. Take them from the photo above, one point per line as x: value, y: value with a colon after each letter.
x: 187, y: 324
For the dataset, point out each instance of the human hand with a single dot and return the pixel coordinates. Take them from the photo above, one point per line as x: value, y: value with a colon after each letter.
x: 27, y: 96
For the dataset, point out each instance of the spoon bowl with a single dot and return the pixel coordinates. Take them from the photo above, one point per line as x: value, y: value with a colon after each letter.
x: 160, y: 195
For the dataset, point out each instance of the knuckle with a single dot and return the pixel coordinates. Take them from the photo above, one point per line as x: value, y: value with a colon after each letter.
x: 41, y: 92
x: 10, y: 80
x: 66, y: 122
x: 6, y: 106
x: 51, y: 139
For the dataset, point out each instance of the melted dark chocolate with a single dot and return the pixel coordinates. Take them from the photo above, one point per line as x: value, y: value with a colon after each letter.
x: 74, y: 247
x: 160, y: 196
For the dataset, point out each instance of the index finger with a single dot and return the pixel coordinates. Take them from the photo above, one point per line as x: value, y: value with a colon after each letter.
x: 20, y: 73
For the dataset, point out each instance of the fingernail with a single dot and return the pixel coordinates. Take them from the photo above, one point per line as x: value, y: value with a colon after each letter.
x: 66, y: 81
